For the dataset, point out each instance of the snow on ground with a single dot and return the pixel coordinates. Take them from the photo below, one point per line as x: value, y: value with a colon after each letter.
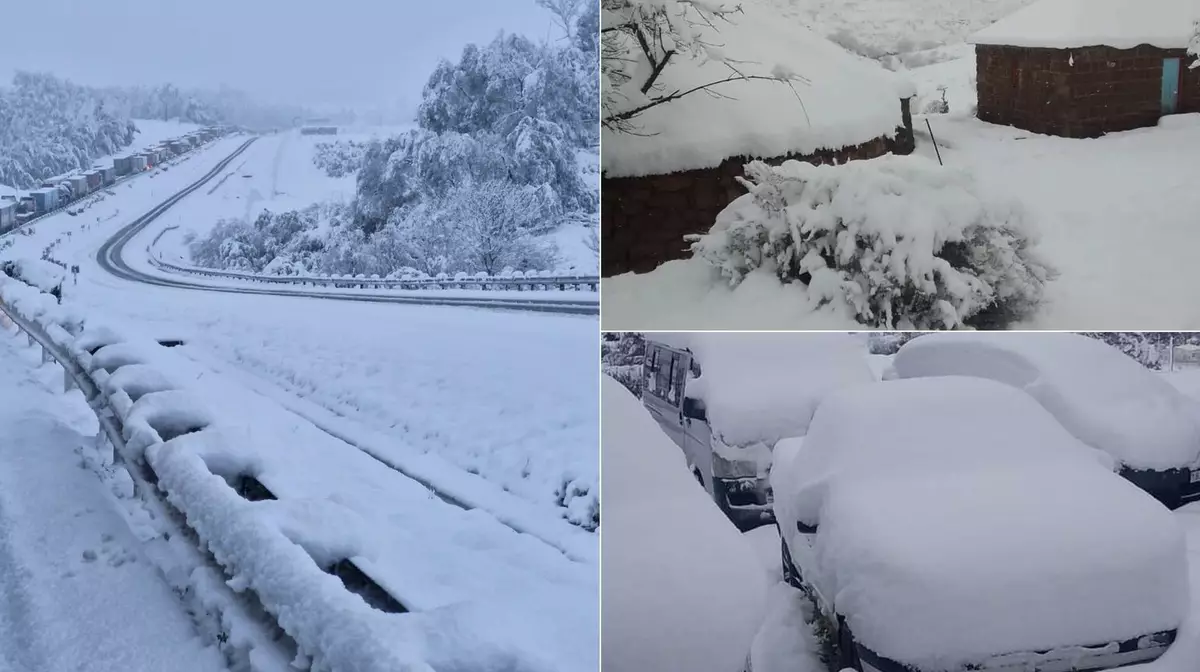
x: 276, y: 173
x: 1084, y: 196
x: 516, y: 592
x: 683, y: 590
x: 76, y: 591
x: 455, y: 384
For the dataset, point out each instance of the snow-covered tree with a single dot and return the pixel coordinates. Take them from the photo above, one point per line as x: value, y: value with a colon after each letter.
x: 49, y: 126
x: 896, y: 242
x: 621, y: 357
x: 497, y: 220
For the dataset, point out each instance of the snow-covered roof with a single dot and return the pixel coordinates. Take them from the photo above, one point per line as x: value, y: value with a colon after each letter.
x: 1123, y: 24
x: 1099, y: 394
x: 846, y: 100
x: 645, y: 592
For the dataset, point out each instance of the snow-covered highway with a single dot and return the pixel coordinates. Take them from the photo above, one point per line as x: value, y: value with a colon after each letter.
x: 448, y: 451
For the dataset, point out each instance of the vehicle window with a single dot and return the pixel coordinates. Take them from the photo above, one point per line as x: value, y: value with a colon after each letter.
x: 678, y: 371
x: 648, y: 370
x: 662, y: 377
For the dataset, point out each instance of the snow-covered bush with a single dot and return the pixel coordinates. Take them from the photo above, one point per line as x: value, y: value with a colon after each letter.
x: 901, y: 242
x: 339, y: 159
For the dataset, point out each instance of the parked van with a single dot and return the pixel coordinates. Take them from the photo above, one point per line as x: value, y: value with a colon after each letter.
x: 725, y: 405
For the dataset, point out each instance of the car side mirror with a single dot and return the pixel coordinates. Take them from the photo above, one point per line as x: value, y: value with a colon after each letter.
x: 694, y: 408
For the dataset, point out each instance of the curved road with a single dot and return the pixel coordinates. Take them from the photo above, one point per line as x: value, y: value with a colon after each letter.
x: 110, y: 258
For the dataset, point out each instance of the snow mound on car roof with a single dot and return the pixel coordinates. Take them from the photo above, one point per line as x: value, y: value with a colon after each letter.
x: 1100, y: 395
x: 938, y: 569
x: 682, y: 588
x: 927, y: 422
x: 957, y: 520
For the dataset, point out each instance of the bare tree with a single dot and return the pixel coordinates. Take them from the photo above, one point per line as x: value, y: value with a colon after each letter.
x: 659, y: 33
x: 565, y: 13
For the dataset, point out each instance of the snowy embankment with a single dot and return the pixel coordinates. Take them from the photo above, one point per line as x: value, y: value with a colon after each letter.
x: 480, y: 594
x: 80, y: 588
x: 449, y: 387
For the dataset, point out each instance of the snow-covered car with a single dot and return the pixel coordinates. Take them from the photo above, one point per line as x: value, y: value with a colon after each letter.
x: 951, y: 523
x: 1099, y: 394
x: 725, y: 400
x: 682, y: 590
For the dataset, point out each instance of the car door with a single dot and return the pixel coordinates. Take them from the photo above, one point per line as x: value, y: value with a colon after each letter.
x: 697, y: 432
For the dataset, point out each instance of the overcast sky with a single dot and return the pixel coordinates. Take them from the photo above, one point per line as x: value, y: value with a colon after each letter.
x: 303, y: 51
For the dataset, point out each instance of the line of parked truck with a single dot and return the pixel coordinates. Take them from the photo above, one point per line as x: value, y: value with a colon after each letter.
x: 60, y: 192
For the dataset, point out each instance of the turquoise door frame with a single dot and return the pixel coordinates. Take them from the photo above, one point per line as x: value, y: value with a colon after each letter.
x: 1170, y: 85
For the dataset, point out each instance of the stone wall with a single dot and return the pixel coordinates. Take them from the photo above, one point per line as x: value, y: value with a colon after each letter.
x: 1080, y: 93
x: 643, y: 219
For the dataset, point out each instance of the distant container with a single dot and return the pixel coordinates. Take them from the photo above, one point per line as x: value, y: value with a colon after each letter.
x: 8, y: 215
x: 45, y: 200
x: 79, y: 185
x: 137, y: 163
x: 94, y: 179
x: 123, y: 165
x: 108, y: 175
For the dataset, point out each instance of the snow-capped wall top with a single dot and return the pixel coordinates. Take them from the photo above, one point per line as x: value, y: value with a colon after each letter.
x: 833, y: 98
x: 1123, y: 24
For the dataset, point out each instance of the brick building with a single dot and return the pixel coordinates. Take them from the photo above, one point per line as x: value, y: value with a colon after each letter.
x: 1083, y: 68
x: 681, y: 167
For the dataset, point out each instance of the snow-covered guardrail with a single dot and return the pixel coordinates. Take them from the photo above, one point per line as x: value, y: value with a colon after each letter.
x: 164, y: 437
x: 480, y: 281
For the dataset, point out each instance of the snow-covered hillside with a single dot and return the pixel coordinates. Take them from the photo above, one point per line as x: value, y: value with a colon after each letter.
x: 50, y: 126
x: 499, y: 172
x: 877, y: 28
